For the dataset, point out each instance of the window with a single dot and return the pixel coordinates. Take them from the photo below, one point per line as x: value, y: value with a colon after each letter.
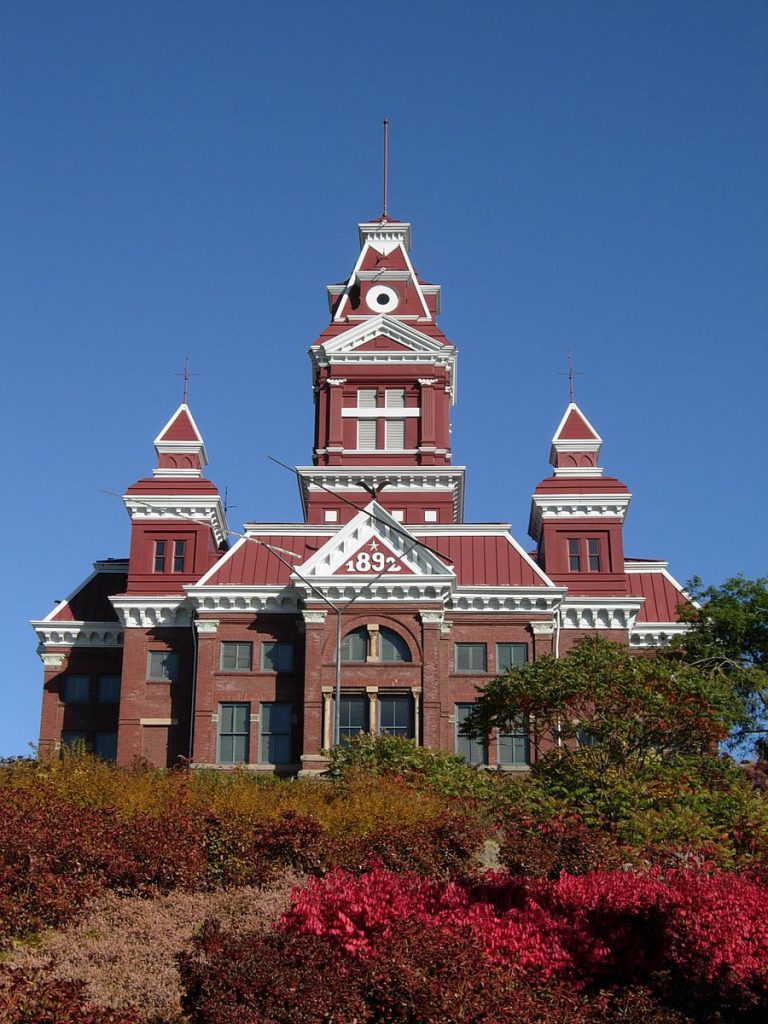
x: 574, y: 558
x: 513, y: 747
x: 71, y: 740
x: 179, y: 549
x: 277, y: 656
x: 108, y: 691
x: 105, y: 745
x: 394, y: 435
x: 394, y: 399
x: 430, y: 515
x: 159, y: 556
x: 593, y: 553
x: 366, y: 398
x: 354, y: 646
x: 471, y: 658
x: 236, y: 656
x: 275, y: 733
x: 366, y: 435
x: 392, y: 647
x: 77, y: 690
x: 473, y: 751
x: 353, y: 716
x: 233, y: 733
x: 162, y: 665
x: 510, y: 656
x: 396, y: 714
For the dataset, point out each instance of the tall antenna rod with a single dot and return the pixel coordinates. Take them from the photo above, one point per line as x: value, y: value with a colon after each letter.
x: 186, y: 375
x: 570, y: 374
x: 386, y: 139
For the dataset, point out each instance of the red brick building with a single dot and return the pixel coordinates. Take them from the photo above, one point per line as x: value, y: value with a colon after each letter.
x: 226, y: 652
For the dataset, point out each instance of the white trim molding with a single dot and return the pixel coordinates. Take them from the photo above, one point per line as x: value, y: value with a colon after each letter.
x: 206, y: 627
x: 208, y: 508
x: 52, y: 659
x: 518, y: 600
x: 601, y: 612
x: 576, y: 506
x: 150, y: 612
x: 65, y: 633
x: 655, y: 634
x: 542, y: 628
x: 242, y: 598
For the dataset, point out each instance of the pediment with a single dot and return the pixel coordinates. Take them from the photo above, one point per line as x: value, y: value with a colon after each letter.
x: 384, y: 327
x: 373, y: 544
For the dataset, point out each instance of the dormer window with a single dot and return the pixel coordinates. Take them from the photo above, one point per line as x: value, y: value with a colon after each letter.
x: 593, y: 549
x: 179, y: 550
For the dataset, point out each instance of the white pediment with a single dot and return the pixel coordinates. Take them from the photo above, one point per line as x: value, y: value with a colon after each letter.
x: 403, y: 555
x: 388, y: 327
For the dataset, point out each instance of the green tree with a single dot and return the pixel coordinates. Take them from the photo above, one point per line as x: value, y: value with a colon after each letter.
x: 611, y: 710
x: 728, y: 635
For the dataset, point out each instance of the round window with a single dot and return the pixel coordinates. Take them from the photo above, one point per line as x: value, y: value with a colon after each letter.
x: 381, y: 299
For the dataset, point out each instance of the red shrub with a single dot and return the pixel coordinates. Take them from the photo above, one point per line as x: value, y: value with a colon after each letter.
x: 607, y: 928
x: 272, y: 979
x: 41, y: 999
x: 437, y: 849
x: 563, y: 843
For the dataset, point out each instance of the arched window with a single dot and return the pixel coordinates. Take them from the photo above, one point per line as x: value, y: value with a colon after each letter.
x: 392, y: 647
x: 354, y: 646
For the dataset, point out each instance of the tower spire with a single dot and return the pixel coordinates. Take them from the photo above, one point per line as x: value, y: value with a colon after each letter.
x: 186, y: 376
x: 570, y: 373
x: 384, y: 214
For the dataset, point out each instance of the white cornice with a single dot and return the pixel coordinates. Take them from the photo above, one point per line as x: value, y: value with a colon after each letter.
x: 78, y: 634
x: 600, y: 612
x: 385, y: 232
x: 144, y: 612
x: 575, y: 506
x: 518, y: 600
x: 345, y: 478
x: 241, y: 598
x: 180, y: 506
x: 655, y: 634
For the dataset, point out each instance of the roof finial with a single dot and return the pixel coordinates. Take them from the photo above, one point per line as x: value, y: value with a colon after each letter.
x: 570, y: 374
x: 186, y: 375
x: 385, y: 215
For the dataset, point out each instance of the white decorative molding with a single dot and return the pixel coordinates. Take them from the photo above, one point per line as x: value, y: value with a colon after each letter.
x: 166, y: 473
x: 380, y: 412
x: 576, y: 506
x: 314, y: 616
x: 655, y: 634
x: 142, y: 612
x: 205, y: 508
x: 52, y: 659
x: 428, y: 382
x: 600, y: 612
x: 336, y: 382
x: 65, y: 633
x: 542, y: 628
x: 206, y: 627
x: 430, y: 617
x: 158, y: 721
x: 385, y: 235
x: 578, y: 472
x: 241, y: 598
x: 517, y: 600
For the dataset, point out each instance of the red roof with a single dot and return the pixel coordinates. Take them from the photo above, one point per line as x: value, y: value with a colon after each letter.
x: 253, y: 565
x: 180, y: 428
x: 581, y: 485
x: 477, y: 561
x: 576, y: 428
x: 661, y: 596
x: 485, y: 561
x: 180, y: 485
x: 91, y: 602
x: 393, y: 260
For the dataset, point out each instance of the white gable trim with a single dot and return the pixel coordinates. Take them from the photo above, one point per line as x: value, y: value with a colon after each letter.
x: 572, y: 407
x: 383, y: 324
x: 358, y: 531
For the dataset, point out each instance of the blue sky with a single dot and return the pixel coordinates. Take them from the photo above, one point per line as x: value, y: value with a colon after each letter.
x: 584, y: 177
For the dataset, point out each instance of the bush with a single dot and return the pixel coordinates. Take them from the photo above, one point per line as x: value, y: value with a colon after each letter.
x: 537, y: 849
x: 41, y: 999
